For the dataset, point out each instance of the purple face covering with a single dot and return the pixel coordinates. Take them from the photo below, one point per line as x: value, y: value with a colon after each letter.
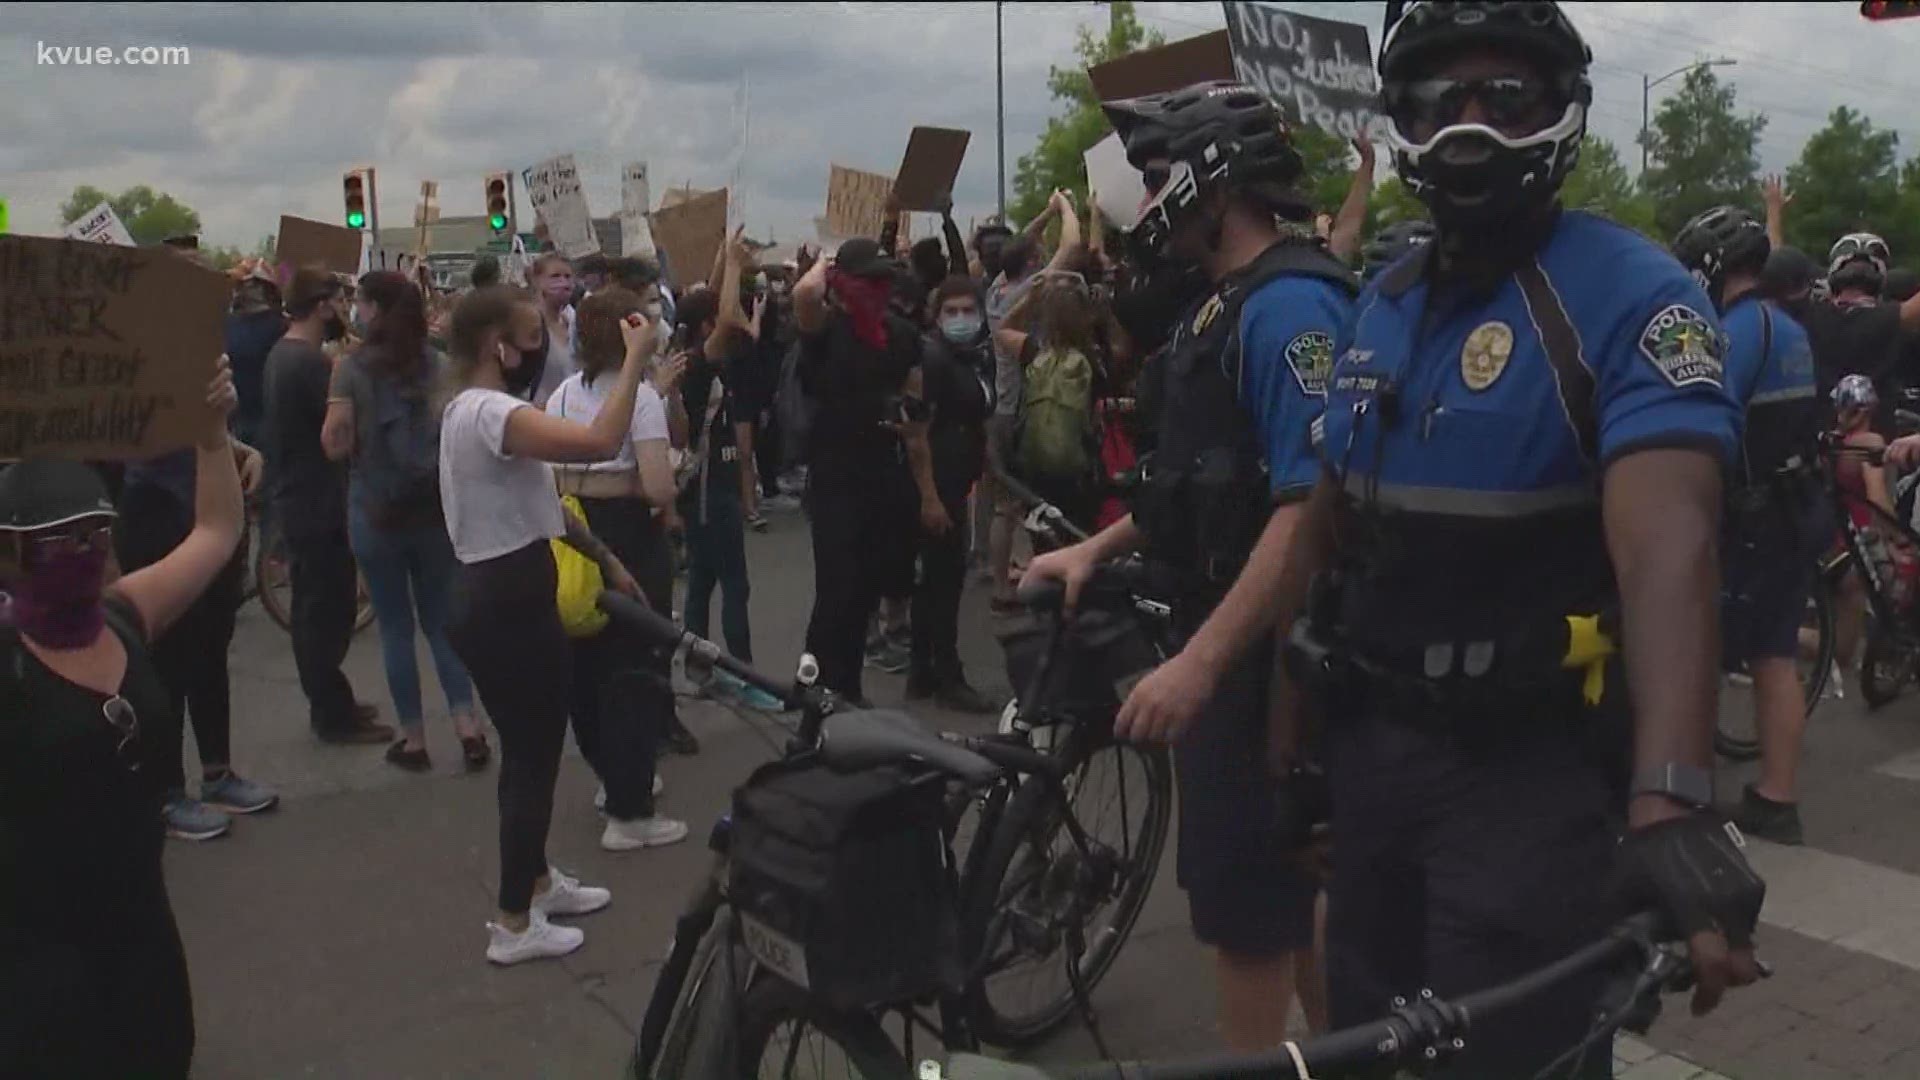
x: 56, y: 601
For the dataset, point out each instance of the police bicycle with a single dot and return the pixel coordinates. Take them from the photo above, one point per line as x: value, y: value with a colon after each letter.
x: 1639, y: 957
x: 757, y: 976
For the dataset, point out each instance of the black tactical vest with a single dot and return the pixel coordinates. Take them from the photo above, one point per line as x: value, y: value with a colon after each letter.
x: 1204, y: 495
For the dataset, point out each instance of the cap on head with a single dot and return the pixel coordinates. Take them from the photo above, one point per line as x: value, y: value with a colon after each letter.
x: 43, y: 493
x: 861, y: 257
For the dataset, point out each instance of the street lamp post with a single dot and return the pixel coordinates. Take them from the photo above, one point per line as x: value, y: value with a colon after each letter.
x: 1646, y: 97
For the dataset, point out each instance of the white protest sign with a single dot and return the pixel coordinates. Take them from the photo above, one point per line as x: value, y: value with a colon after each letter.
x: 636, y: 232
x: 553, y: 186
x: 1117, y: 183
x: 102, y: 225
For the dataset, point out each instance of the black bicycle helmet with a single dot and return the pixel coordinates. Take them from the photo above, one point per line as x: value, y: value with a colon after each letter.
x: 1858, y: 261
x: 1392, y: 242
x: 1789, y: 274
x: 1212, y: 135
x: 1516, y: 173
x: 1720, y: 241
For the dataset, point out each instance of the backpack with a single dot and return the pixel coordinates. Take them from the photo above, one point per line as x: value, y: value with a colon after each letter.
x: 1055, y: 436
x: 401, y: 470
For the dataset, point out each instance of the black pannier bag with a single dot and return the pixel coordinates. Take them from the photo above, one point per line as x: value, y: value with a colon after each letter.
x: 841, y: 881
x: 1101, y: 650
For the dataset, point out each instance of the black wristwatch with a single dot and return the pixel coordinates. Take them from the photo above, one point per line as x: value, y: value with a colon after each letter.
x: 1689, y: 785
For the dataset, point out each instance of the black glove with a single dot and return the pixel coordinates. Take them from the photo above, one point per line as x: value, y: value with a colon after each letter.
x: 1692, y: 870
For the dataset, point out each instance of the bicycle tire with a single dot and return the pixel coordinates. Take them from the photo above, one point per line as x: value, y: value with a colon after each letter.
x: 985, y: 896
x: 269, y: 564
x: 674, y: 1041
x: 1886, y: 666
x: 773, y: 1001
x: 1734, y: 736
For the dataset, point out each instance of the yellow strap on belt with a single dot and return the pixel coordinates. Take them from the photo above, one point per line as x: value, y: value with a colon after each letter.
x: 1588, y: 647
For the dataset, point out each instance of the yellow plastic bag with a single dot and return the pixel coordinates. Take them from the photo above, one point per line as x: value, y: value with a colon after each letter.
x: 579, y: 584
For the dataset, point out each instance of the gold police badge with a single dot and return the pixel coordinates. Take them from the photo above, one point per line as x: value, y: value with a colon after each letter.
x: 1485, y: 354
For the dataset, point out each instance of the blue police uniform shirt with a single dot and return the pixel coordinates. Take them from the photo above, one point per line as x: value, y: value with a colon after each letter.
x: 1783, y: 374
x: 1288, y: 328
x: 1444, y: 412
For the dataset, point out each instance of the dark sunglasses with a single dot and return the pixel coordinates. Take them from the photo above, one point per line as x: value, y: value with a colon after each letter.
x: 1507, y: 99
x: 72, y: 541
x: 119, y: 715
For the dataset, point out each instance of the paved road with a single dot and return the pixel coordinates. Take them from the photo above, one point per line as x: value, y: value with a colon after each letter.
x: 342, y: 936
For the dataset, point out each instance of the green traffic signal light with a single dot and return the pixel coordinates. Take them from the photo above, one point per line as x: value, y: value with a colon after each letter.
x: 356, y: 220
x: 497, y: 222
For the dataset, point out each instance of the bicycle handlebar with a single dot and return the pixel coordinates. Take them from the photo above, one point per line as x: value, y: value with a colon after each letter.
x: 660, y: 631
x: 1121, y: 576
x: 1425, y: 1028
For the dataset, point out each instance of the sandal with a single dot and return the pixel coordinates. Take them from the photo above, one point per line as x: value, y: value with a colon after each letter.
x: 475, y: 751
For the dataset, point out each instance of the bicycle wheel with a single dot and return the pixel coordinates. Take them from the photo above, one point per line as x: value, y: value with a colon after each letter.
x: 1887, y: 666
x: 1034, y: 883
x: 272, y: 579
x: 786, y: 1035
x: 1735, y: 737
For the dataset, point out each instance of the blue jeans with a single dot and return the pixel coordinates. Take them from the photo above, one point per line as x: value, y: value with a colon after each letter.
x: 409, y: 571
x: 717, y: 555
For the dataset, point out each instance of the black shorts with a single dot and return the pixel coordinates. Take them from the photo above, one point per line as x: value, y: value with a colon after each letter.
x: 1248, y: 892
x: 1763, y: 600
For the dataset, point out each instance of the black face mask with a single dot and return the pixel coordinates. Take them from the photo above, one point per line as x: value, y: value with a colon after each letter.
x: 521, y: 380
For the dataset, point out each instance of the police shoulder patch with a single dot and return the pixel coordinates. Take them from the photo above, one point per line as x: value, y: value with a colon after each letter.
x: 1683, y: 347
x: 1310, y: 355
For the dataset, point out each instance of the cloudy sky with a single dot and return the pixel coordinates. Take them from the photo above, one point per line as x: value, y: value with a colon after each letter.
x: 278, y: 99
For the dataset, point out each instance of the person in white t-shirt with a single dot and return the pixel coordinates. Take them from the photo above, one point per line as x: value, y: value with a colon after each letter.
x: 497, y: 492
x: 622, y: 696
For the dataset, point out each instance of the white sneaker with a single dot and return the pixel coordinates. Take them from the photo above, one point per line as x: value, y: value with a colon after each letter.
x: 600, y: 797
x: 655, y: 831
x: 1836, y: 683
x: 566, y: 896
x: 540, y: 940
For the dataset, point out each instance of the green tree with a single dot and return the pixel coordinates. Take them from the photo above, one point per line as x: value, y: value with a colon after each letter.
x: 150, y: 217
x: 1906, y: 251
x: 1847, y: 180
x: 1702, y: 152
x: 1392, y: 201
x: 1599, y: 183
x: 1058, y: 160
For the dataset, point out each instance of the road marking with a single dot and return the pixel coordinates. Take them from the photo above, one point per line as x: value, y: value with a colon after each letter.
x: 1904, y: 767
x: 1840, y: 900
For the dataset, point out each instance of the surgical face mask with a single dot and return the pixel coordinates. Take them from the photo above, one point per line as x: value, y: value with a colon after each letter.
x: 557, y: 289
x: 56, y: 600
x: 961, y: 329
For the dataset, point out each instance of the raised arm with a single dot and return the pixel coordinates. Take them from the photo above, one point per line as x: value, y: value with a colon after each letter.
x: 162, y: 592
x: 1066, y: 256
x: 1777, y: 198
x: 1352, y: 218
x: 810, y: 299
x: 956, y: 244
x: 536, y: 434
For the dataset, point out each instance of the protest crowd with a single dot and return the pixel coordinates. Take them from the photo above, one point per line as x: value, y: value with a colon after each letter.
x: 464, y: 461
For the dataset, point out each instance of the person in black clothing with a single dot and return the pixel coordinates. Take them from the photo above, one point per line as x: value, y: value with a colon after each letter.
x: 956, y: 381
x: 309, y: 502
x: 92, y: 974
x: 856, y: 356
x: 1858, y: 333
x: 255, y: 324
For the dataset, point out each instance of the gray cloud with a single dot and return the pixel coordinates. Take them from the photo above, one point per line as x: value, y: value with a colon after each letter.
x: 280, y: 98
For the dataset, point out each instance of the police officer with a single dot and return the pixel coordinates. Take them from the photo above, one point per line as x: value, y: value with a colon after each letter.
x: 1525, y: 431
x: 1774, y: 526
x: 1239, y: 386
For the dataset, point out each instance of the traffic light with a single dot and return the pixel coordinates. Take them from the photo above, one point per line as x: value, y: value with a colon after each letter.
x: 499, y: 202
x: 357, y: 187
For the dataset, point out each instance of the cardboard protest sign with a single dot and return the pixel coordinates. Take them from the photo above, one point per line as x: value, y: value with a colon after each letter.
x: 1168, y: 67
x: 315, y: 243
x: 1117, y: 183
x: 101, y: 225
x: 1318, y: 71
x: 105, y: 351
x: 931, y: 165
x: 553, y: 187
x: 636, y: 233
x: 690, y: 233
x: 857, y: 202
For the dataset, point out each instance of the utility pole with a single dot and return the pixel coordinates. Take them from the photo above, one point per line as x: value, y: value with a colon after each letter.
x: 1000, y: 102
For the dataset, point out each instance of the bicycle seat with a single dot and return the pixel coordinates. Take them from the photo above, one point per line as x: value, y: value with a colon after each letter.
x: 863, y: 740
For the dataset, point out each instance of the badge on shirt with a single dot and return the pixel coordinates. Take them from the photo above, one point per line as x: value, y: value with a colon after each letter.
x: 1683, y: 347
x: 1485, y: 354
x: 1207, y: 313
x: 1311, y: 357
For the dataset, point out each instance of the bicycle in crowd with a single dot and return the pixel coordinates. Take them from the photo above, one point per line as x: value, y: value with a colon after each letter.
x: 1642, y: 961
x: 269, y: 579
x: 840, y: 897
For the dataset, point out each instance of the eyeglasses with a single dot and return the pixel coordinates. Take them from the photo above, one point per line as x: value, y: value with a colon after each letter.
x: 119, y: 715
x: 72, y: 541
x: 1507, y: 99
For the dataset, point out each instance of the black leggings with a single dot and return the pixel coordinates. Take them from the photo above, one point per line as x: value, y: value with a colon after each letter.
x: 622, y: 688
x: 861, y: 536
x: 936, y: 599
x: 506, y: 628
